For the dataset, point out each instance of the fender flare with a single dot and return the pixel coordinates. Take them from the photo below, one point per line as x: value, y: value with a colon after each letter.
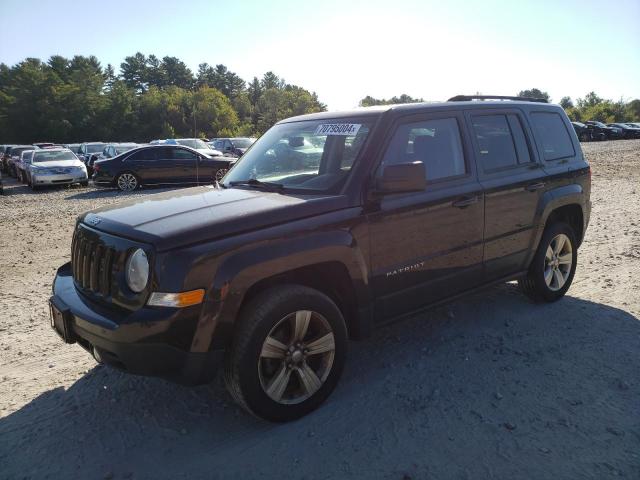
x: 243, y: 268
x: 572, y: 194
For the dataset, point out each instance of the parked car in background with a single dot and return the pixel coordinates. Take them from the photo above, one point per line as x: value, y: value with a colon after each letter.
x: 196, y: 144
x: 160, y: 165
x: 56, y: 166
x: 21, y: 165
x: 14, y: 156
x: 234, y: 147
x: 628, y: 131
x: 586, y: 134
x: 3, y: 149
x: 599, y: 127
x: 74, y: 147
x: 109, y: 151
x: 634, y: 124
x: 88, y: 148
x: 44, y: 145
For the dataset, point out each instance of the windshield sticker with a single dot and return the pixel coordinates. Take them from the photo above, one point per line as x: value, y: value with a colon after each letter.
x: 345, y: 129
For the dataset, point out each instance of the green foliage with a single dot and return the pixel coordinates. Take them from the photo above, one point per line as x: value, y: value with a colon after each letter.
x: 594, y: 107
x: 369, y: 101
x: 566, y: 102
x: 535, y: 93
x: 67, y: 100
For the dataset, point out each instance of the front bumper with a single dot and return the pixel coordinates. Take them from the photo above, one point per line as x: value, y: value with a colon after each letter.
x: 58, y: 179
x: 140, y: 348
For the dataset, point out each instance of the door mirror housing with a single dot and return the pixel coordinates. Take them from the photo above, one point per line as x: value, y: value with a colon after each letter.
x: 402, y: 177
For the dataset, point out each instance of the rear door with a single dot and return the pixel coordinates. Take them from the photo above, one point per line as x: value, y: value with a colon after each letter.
x: 426, y: 246
x: 184, y: 165
x: 513, y: 181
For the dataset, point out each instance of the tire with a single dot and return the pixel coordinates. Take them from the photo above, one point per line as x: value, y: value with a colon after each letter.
x: 19, y: 175
x: 127, y: 182
x: 84, y: 184
x: 251, y: 376
x: 584, y: 137
x: 549, y: 260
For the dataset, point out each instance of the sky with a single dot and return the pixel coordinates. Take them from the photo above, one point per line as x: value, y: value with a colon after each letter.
x: 345, y: 50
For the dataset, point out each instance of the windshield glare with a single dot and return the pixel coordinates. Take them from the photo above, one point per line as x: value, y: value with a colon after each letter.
x: 309, y: 155
x: 95, y: 148
x: 243, y: 142
x: 194, y: 143
x: 53, y: 156
x: 124, y: 148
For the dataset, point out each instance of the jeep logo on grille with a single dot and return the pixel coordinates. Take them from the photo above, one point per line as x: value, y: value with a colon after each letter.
x: 94, y: 221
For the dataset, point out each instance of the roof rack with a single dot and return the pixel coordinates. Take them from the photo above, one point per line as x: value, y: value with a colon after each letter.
x: 466, y: 98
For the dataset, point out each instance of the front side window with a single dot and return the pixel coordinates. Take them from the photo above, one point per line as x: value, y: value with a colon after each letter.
x: 436, y: 143
x: 308, y: 155
x: 552, y: 133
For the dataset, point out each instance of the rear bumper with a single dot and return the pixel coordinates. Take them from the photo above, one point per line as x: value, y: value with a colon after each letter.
x: 124, y: 345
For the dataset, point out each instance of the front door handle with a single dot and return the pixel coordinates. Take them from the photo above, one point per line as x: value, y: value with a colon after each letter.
x: 465, y: 202
x: 532, y: 187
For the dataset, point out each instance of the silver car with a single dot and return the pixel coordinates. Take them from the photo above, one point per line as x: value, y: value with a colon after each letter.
x: 21, y: 165
x: 56, y: 166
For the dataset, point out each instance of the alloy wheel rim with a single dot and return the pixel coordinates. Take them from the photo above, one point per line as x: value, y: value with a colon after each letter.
x: 296, y: 357
x: 127, y: 181
x: 558, y: 260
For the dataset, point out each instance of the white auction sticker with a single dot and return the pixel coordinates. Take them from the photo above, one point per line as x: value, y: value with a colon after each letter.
x: 346, y: 129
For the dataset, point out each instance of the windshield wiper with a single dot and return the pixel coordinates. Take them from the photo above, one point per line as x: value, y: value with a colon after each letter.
x: 254, y: 182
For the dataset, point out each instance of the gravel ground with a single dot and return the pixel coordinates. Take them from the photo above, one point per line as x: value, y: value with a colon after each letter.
x: 490, y: 386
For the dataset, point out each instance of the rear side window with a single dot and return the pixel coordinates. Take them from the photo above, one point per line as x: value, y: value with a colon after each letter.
x: 436, y: 143
x: 552, y: 134
x: 500, y: 140
x: 146, y: 154
x: 181, y: 154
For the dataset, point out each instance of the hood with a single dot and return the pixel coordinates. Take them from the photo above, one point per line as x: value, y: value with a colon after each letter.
x: 180, y: 217
x: 59, y: 163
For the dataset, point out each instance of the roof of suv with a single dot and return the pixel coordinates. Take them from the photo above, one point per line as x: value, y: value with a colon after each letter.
x: 417, y: 108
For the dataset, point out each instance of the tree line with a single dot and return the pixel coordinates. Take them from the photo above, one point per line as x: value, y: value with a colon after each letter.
x: 591, y: 107
x: 68, y: 100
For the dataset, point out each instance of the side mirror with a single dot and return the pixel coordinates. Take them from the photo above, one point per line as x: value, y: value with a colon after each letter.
x: 402, y: 177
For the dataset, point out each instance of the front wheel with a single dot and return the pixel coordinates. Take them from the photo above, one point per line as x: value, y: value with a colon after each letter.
x: 288, y: 353
x: 127, y: 182
x: 553, y: 266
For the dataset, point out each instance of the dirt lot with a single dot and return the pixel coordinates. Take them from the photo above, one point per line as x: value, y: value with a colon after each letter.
x: 491, y: 386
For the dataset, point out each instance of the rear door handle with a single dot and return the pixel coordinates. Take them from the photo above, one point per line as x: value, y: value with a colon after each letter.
x: 532, y: 187
x: 465, y: 202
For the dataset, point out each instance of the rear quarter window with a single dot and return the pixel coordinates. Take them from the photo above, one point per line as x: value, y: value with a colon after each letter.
x: 552, y: 135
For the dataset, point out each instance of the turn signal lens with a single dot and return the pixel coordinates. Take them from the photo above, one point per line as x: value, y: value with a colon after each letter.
x: 176, y: 300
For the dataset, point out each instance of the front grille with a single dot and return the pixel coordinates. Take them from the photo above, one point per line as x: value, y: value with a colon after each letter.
x: 92, y: 265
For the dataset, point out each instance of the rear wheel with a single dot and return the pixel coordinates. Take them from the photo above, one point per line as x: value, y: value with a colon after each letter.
x: 127, y: 182
x: 584, y: 137
x: 288, y: 353
x: 553, y: 266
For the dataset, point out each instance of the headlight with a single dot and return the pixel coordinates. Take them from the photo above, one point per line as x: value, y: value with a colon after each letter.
x: 137, y: 271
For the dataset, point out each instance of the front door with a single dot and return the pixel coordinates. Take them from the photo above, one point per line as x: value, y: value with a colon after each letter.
x: 427, y: 246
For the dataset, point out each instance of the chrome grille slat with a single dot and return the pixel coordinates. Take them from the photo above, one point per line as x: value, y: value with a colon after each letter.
x: 105, y: 269
x: 94, y: 264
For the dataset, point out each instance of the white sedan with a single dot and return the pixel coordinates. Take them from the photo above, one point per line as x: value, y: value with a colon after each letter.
x: 56, y: 166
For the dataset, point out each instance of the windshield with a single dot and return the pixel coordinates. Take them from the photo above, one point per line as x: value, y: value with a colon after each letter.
x: 194, y: 143
x: 95, y: 147
x: 124, y: 148
x: 309, y: 155
x: 53, y: 156
x: 243, y: 142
